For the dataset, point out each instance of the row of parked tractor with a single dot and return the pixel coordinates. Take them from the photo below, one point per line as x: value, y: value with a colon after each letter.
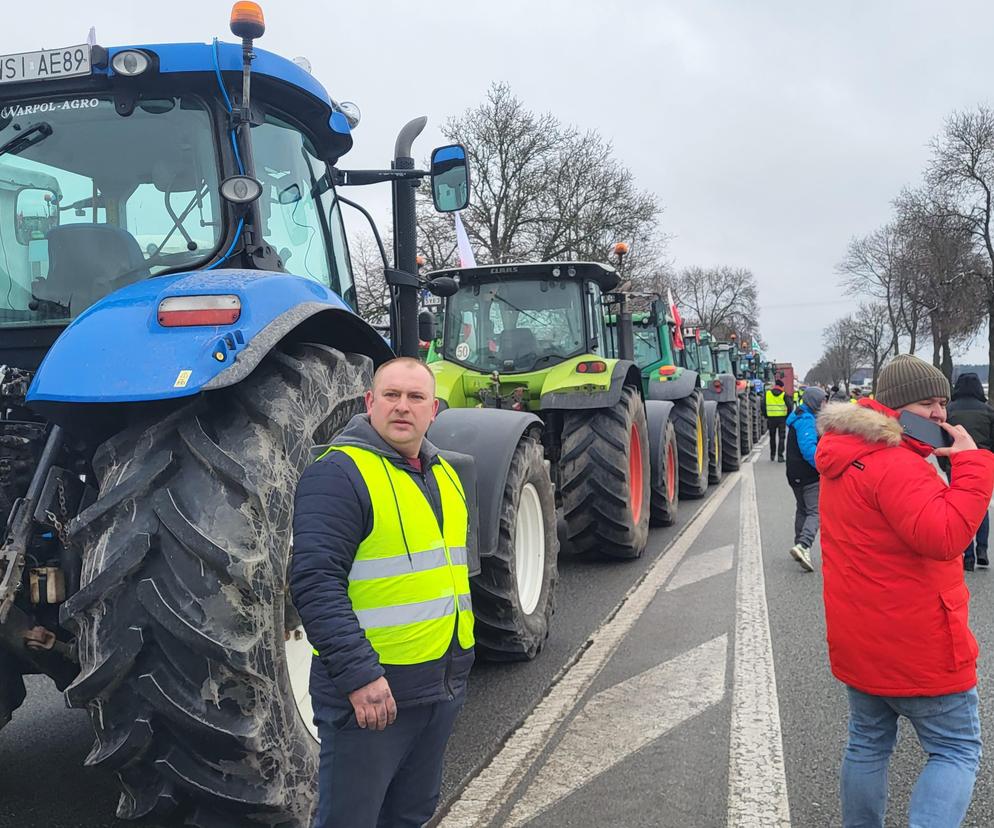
x: 167, y: 373
x: 629, y: 412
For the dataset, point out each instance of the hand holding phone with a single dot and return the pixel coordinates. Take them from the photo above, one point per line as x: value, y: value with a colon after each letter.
x: 962, y: 441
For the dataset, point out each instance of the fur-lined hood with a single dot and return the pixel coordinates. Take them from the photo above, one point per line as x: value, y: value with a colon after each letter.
x: 862, y: 421
x: 850, y: 432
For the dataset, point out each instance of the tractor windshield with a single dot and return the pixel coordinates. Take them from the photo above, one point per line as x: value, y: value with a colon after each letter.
x: 94, y: 196
x: 647, y: 349
x: 723, y: 362
x: 514, y: 326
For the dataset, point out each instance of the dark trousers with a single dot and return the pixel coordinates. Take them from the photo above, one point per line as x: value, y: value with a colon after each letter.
x: 382, y: 778
x: 978, y: 545
x: 778, y: 428
x: 806, y: 514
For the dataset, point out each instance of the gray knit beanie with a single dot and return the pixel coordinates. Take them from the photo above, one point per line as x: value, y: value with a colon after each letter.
x: 907, y: 379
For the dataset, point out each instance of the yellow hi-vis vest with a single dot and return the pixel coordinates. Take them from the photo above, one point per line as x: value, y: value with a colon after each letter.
x: 775, y: 406
x: 409, y: 582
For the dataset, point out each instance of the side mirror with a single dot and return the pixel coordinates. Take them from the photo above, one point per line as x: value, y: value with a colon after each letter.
x: 36, y: 212
x: 427, y: 329
x: 443, y: 286
x: 450, y: 178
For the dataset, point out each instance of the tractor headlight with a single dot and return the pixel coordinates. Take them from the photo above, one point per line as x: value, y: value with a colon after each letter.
x: 130, y: 63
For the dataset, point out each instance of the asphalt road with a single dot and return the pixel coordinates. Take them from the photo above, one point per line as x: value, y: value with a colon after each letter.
x: 678, y: 779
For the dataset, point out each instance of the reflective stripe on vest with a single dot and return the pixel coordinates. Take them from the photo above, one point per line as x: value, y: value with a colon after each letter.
x: 776, y: 406
x: 409, y: 582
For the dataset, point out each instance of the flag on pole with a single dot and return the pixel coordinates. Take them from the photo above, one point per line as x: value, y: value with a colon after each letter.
x: 678, y: 336
x: 466, y: 257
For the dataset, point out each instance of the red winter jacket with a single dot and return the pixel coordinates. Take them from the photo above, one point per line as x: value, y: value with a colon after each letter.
x: 893, y: 535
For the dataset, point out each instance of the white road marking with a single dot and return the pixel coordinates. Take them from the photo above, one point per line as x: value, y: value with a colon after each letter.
x: 702, y: 565
x: 486, y: 793
x: 757, y: 781
x: 625, y: 718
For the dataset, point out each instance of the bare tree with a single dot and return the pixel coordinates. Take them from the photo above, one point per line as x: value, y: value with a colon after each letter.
x: 724, y: 300
x: 946, y: 274
x: 542, y: 190
x: 873, y: 266
x: 843, y: 349
x: 962, y: 167
x: 872, y: 335
x: 372, y: 293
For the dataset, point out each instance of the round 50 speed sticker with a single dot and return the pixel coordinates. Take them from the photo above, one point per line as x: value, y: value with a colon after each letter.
x: 462, y: 350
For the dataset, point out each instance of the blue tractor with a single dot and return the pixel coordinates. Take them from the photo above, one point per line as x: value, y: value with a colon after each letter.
x: 177, y: 334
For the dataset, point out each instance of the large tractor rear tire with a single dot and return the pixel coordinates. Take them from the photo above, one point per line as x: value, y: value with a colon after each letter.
x: 604, y: 478
x: 514, y: 594
x: 745, y: 425
x: 715, y: 424
x: 692, y: 443
x: 731, y: 458
x: 666, y: 497
x: 193, y: 665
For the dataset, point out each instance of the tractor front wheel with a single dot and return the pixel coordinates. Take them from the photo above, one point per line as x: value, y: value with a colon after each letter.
x: 194, y: 667
x: 692, y: 444
x: 731, y: 458
x: 605, y: 480
x: 666, y: 497
x: 514, y: 594
x: 745, y: 425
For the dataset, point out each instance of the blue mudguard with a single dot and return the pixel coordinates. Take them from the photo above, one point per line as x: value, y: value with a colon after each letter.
x: 116, y: 351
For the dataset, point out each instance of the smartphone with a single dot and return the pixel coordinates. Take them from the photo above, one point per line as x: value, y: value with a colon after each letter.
x: 924, y: 430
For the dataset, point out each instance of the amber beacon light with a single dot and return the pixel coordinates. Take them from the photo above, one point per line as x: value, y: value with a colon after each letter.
x: 247, y: 21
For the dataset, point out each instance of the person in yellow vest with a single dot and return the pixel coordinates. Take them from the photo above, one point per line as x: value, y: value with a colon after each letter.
x: 379, y: 576
x: 776, y: 406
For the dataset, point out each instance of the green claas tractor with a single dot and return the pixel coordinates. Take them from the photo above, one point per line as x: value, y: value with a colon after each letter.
x: 720, y: 385
x: 696, y: 356
x: 667, y: 377
x: 534, y: 338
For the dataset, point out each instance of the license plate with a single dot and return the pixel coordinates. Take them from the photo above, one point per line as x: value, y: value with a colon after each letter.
x: 430, y: 300
x: 68, y: 62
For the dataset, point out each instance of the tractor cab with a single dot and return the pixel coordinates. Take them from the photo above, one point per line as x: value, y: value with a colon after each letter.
x: 516, y: 319
x: 127, y: 165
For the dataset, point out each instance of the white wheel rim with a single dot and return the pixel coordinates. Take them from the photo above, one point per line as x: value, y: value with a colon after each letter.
x: 298, y: 664
x: 529, y: 549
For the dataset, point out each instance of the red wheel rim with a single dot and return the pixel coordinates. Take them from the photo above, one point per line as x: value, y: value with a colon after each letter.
x: 635, y: 473
x: 670, y: 472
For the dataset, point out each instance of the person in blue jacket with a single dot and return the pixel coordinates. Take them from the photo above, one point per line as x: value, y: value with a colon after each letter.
x: 802, y: 440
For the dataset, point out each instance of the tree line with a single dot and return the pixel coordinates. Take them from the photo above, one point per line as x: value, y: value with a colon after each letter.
x: 924, y: 279
x: 542, y: 190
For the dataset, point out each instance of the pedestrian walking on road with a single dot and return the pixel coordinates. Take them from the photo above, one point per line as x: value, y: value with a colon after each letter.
x: 776, y: 406
x: 970, y: 409
x: 896, y: 604
x: 802, y: 440
x: 380, y: 579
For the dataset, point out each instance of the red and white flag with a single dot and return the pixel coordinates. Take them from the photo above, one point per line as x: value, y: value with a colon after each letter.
x: 678, y: 335
x: 466, y: 257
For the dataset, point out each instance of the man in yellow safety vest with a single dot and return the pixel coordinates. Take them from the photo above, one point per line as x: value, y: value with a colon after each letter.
x: 379, y: 576
x: 776, y: 406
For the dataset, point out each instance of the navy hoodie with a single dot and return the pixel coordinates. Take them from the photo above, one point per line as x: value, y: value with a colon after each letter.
x: 332, y: 515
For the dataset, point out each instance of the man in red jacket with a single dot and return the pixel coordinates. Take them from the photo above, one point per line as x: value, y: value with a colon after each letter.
x: 896, y: 605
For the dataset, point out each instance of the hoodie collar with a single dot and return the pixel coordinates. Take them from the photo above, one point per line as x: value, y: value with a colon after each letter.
x: 360, y: 433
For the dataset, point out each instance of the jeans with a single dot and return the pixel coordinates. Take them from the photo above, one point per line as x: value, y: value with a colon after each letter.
x: 382, y: 778
x: 806, y: 514
x: 948, y: 729
x: 777, y: 426
x: 980, y: 542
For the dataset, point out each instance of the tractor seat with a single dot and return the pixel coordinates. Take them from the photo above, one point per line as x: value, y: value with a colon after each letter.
x: 85, y: 262
x: 517, y: 345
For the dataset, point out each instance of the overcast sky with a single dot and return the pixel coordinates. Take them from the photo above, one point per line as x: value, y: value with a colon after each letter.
x: 772, y: 131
